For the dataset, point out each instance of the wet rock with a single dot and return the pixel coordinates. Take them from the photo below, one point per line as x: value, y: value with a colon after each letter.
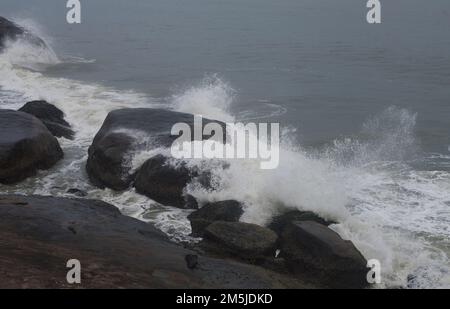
x: 191, y: 202
x: 165, y: 183
x: 51, y: 116
x: 237, y: 239
x: 8, y: 29
x: 40, y: 234
x: 125, y: 132
x: 12, y: 31
x: 26, y: 146
x: 312, y: 250
x: 229, y: 211
x: 279, y: 222
x: 106, y: 166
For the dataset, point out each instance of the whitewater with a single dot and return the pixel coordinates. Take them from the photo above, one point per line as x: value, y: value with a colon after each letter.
x: 372, y: 183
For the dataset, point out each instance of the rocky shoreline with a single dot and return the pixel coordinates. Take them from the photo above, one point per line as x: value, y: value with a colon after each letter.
x: 38, y: 234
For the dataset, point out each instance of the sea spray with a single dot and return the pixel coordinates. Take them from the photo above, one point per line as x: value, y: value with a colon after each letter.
x: 336, y: 183
x: 389, y: 210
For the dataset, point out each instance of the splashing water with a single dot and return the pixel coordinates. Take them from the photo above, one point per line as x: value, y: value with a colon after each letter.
x: 391, y: 211
x: 211, y: 99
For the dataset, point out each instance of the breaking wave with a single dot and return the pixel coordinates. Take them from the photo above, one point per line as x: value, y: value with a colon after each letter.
x: 391, y: 211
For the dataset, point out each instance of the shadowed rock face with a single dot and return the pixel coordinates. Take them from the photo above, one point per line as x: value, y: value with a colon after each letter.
x: 26, y: 146
x: 313, y: 250
x: 9, y: 30
x: 38, y: 235
x: 51, y: 116
x: 123, y: 132
x: 165, y: 183
x: 228, y: 211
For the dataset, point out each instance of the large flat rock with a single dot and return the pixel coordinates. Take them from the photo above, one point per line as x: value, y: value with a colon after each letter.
x: 38, y: 235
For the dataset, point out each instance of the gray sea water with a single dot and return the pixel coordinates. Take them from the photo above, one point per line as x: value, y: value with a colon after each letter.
x: 365, y: 108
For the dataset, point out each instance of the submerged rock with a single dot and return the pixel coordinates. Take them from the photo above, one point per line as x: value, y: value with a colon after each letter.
x: 26, y: 146
x: 38, y: 235
x: 51, y: 116
x: 313, y: 250
x: 278, y: 223
x: 229, y: 211
x: 124, y: 132
x: 165, y: 183
x: 247, y: 241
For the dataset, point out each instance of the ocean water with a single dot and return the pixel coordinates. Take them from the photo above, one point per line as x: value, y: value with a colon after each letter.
x: 365, y: 109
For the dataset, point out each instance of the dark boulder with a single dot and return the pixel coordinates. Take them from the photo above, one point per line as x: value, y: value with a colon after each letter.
x: 38, y: 235
x: 26, y: 146
x: 165, y: 183
x: 124, y: 132
x: 228, y: 211
x: 279, y: 222
x: 9, y: 30
x: 51, y: 116
x: 12, y: 31
x: 107, y: 166
x: 312, y: 250
x: 164, y: 180
x: 247, y: 241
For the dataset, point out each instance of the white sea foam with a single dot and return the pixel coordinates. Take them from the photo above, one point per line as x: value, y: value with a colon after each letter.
x: 389, y: 210
x: 211, y: 99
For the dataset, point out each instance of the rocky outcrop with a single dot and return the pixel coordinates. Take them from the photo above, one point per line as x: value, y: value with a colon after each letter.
x: 51, y: 116
x: 228, y: 211
x: 124, y: 132
x: 26, y: 146
x: 38, y: 235
x: 12, y: 31
x: 279, y: 222
x: 314, y: 251
x: 237, y: 239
